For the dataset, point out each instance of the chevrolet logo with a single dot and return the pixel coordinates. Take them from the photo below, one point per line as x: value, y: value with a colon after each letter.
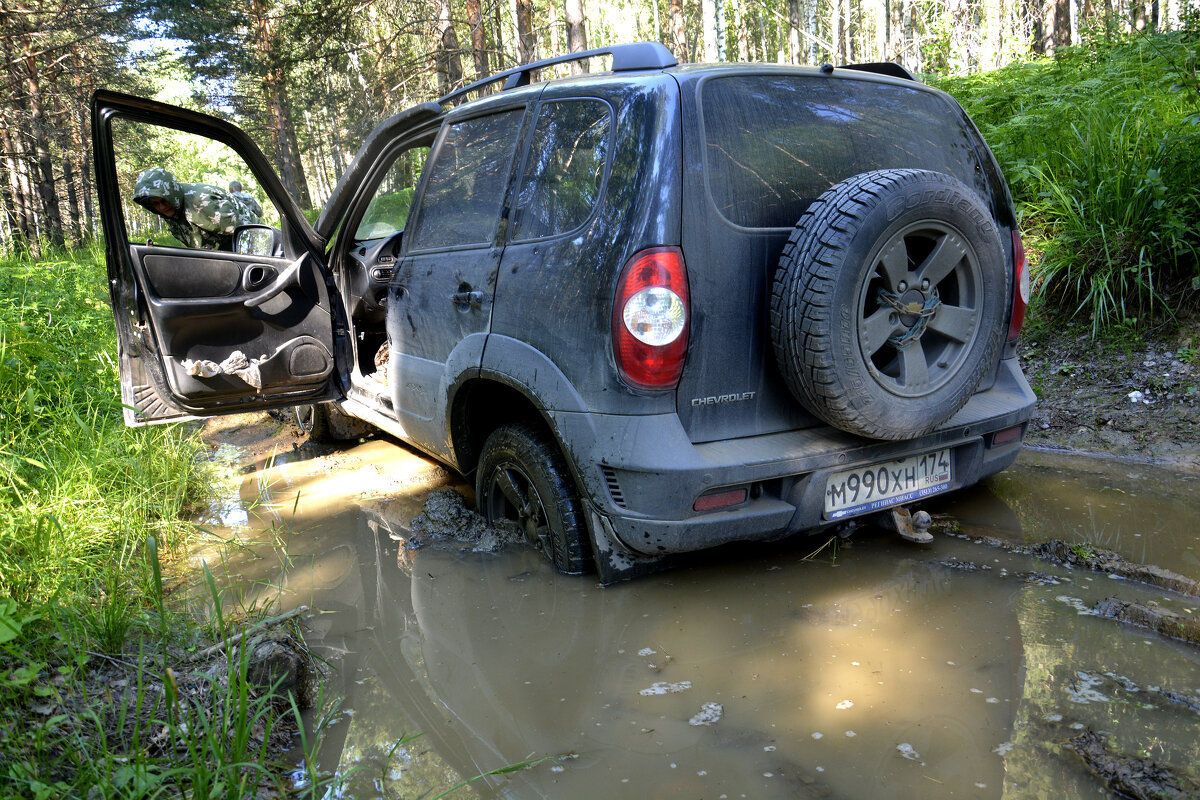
x: 913, y: 308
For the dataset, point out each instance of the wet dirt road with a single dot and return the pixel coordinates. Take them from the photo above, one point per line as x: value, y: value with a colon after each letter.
x: 874, y: 669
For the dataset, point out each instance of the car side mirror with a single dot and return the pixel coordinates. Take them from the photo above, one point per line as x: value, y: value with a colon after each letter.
x: 258, y: 240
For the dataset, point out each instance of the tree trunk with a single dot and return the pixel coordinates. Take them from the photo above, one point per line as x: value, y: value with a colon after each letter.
x: 1062, y: 23
x: 743, y: 35
x: 45, y: 168
x: 793, y: 37
x: 478, y: 45
x: 678, y: 32
x: 814, y: 51
x: 556, y: 47
x: 577, y: 40
x: 708, y: 19
x: 72, y: 202
x: 526, y: 41
x: 278, y: 105
x: 450, y: 73
x: 880, y: 22
x: 835, y: 31
x: 22, y: 218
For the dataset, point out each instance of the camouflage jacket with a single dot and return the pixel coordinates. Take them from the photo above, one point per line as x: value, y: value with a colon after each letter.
x: 205, y: 215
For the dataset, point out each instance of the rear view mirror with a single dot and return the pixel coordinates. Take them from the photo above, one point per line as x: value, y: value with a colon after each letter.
x: 258, y: 240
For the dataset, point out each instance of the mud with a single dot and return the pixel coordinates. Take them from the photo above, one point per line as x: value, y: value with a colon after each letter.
x: 1139, y: 778
x: 874, y: 669
x: 447, y: 522
x: 1136, y: 397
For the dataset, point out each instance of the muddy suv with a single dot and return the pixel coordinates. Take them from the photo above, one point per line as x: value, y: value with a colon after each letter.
x: 651, y: 310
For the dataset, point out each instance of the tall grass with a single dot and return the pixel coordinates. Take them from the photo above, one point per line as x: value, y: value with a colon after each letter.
x: 90, y: 705
x: 78, y: 491
x: 1102, y: 151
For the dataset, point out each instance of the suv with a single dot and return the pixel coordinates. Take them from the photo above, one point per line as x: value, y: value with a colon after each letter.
x: 651, y: 310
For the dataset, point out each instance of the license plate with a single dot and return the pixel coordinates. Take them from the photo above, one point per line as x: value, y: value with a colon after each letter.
x: 856, y: 491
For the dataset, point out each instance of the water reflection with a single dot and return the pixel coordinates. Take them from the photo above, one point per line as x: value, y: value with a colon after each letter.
x: 880, y: 670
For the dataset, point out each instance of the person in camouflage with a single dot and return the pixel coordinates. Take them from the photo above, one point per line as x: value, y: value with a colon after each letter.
x: 235, y: 189
x: 197, y: 214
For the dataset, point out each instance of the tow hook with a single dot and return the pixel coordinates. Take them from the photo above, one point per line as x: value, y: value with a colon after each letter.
x: 910, y: 526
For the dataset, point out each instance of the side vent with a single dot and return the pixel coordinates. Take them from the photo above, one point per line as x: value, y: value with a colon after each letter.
x: 614, y: 486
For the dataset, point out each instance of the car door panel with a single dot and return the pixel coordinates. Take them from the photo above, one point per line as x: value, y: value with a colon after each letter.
x: 200, y: 317
x: 204, y: 331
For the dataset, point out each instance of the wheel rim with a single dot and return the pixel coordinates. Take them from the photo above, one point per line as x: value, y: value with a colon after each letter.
x: 512, y: 498
x: 919, y: 309
x: 304, y: 417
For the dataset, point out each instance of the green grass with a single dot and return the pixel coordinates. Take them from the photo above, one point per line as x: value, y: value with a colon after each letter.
x: 86, y: 505
x: 78, y: 491
x: 1101, y: 146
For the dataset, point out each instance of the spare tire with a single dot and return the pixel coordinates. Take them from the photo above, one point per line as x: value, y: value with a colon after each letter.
x: 888, y: 305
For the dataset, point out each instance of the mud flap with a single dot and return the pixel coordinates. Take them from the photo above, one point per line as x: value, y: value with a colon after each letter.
x: 615, y: 562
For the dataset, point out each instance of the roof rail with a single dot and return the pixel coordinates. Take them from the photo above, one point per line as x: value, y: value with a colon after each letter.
x: 883, y: 68
x: 625, y: 58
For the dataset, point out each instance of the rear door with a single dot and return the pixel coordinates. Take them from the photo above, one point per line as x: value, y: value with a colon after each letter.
x: 202, y: 329
x: 440, y: 302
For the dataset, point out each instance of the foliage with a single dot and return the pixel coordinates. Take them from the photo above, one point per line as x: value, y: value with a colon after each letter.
x: 1103, y: 157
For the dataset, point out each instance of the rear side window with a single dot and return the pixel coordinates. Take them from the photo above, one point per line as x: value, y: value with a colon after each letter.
x: 564, y: 174
x: 467, y: 181
x: 774, y: 143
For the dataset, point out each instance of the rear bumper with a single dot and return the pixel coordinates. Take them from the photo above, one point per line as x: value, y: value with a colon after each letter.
x: 641, y: 475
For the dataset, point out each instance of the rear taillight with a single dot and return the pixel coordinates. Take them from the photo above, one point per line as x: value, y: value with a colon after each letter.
x: 1021, y: 287
x: 650, y: 316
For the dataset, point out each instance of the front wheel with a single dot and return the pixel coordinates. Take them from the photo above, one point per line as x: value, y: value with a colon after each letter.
x: 523, y: 482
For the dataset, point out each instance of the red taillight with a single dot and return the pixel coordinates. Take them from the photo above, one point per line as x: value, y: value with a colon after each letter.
x: 1021, y: 287
x: 649, y: 321
x: 725, y: 499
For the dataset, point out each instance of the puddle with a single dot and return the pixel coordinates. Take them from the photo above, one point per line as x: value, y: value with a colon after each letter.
x: 878, y: 670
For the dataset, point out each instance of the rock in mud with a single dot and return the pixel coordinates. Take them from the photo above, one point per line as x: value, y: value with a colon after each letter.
x: 1160, y: 620
x: 1140, y: 778
x: 280, y: 660
x: 1088, y: 557
x: 446, y: 518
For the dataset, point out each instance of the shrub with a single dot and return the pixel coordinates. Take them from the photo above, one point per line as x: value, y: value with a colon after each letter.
x: 1102, y: 151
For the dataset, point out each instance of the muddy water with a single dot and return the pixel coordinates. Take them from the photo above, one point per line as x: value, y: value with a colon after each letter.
x: 874, y: 669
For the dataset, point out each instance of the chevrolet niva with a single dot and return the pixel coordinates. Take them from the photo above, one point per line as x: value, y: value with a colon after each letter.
x: 651, y: 310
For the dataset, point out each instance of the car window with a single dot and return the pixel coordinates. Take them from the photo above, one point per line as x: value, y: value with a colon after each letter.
x: 467, y: 179
x: 387, y: 213
x: 565, y: 170
x: 183, y: 190
x: 774, y: 143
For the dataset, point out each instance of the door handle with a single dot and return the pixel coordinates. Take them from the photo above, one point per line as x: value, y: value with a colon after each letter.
x: 465, y: 301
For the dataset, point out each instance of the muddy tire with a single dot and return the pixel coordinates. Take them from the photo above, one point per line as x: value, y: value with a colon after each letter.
x: 523, y: 481
x: 325, y: 423
x: 888, y: 304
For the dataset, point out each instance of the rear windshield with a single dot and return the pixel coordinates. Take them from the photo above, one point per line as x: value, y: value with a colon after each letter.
x: 774, y: 143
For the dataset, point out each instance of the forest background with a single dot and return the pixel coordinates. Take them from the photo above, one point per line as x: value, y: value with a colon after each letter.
x: 1091, y: 105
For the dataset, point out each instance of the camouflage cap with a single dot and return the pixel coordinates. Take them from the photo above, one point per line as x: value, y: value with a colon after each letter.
x: 158, y: 182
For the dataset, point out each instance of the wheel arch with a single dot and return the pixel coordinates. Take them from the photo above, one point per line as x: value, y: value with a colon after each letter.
x: 515, y: 382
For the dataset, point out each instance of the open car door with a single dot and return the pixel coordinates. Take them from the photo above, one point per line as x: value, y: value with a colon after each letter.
x: 201, y: 328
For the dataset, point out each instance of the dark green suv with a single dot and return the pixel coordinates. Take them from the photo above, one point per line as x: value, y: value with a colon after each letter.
x: 652, y: 309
